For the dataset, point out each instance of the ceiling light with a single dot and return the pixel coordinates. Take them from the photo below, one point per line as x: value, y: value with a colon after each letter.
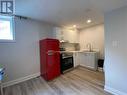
x: 89, y: 21
x: 74, y: 26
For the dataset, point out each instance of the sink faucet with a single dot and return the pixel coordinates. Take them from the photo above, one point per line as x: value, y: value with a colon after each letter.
x: 89, y: 46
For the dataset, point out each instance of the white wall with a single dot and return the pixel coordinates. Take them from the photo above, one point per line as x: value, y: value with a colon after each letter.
x: 116, y: 51
x: 21, y: 58
x: 95, y: 36
x: 46, y: 31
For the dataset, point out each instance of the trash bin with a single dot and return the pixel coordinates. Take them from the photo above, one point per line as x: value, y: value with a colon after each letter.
x: 100, y: 63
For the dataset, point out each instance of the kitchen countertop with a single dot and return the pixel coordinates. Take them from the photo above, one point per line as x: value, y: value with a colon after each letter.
x: 80, y: 51
x: 68, y: 51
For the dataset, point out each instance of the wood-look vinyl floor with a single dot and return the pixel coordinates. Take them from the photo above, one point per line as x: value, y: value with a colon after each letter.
x: 79, y: 81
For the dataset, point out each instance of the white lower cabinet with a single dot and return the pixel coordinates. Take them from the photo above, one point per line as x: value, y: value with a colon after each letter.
x: 89, y: 60
x: 76, y: 59
x: 86, y: 59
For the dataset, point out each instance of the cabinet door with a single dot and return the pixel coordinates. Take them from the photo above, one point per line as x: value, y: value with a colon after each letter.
x: 89, y: 60
x: 57, y: 33
x: 76, y: 59
x: 70, y: 35
x: 66, y: 34
x: 75, y: 36
x: 83, y: 59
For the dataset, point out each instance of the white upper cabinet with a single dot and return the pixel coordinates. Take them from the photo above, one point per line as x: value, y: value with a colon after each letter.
x: 57, y: 33
x: 68, y: 35
x: 71, y: 35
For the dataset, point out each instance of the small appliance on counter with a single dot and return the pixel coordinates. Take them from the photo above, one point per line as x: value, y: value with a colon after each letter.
x: 49, y: 59
x: 62, y: 49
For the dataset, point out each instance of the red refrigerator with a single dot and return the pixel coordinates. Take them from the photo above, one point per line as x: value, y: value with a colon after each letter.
x: 49, y: 58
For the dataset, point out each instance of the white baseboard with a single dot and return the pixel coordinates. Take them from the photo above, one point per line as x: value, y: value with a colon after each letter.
x: 114, y: 91
x: 6, y: 84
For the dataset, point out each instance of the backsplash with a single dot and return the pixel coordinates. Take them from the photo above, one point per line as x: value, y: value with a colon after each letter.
x: 70, y: 46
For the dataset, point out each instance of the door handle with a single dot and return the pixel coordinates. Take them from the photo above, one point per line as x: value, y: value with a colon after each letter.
x: 51, y: 52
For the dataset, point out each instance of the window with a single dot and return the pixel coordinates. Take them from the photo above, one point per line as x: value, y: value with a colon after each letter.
x: 6, y: 28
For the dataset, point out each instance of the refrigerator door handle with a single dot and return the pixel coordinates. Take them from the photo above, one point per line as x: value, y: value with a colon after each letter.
x: 51, y: 52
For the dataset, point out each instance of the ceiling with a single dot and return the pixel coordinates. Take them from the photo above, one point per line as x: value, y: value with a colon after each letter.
x: 67, y: 12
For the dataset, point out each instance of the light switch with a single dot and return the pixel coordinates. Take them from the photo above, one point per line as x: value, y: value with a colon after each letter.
x: 114, y: 43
